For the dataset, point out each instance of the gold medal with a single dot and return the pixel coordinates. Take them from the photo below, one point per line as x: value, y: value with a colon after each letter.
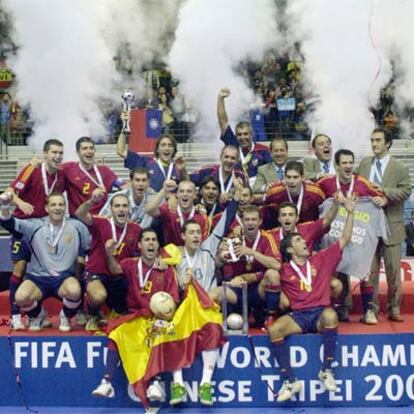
x: 249, y: 266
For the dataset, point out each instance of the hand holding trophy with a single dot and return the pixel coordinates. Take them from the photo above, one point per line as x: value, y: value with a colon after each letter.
x: 127, y: 99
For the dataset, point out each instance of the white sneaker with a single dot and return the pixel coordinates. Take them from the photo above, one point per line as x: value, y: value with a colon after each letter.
x: 17, y: 323
x: 46, y: 323
x: 81, y: 318
x: 104, y: 389
x: 327, y: 377
x: 36, y: 324
x: 155, y: 392
x: 288, y: 390
x: 64, y: 325
x: 92, y: 324
x: 370, y: 318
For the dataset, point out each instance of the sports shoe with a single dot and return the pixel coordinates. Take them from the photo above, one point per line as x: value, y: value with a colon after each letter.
x: 288, y: 390
x: 155, y: 392
x: 270, y: 320
x: 46, y: 323
x: 369, y: 318
x: 81, y: 318
x: 93, y: 324
x: 37, y: 323
x: 326, y: 376
x: 64, y: 324
x: 343, y: 314
x: 205, y: 394
x: 178, y: 393
x: 17, y: 323
x: 104, y: 389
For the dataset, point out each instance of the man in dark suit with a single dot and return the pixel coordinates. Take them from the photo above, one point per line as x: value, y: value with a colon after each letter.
x: 322, y: 164
x: 392, y: 178
x: 409, y: 229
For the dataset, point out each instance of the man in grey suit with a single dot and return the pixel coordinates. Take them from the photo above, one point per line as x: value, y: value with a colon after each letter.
x: 322, y: 165
x: 273, y: 171
x: 392, y: 178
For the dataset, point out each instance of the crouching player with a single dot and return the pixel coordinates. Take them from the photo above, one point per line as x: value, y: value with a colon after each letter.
x: 305, y: 279
x: 55, y: 243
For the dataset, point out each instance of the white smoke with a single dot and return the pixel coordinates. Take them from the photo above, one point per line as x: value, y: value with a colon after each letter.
x: 341, y: 67
x: 211, y: 39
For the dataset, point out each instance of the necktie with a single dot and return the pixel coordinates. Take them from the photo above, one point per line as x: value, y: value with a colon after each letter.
x: 279, y: 173
x: 326, y: 167
x: 378, y: 172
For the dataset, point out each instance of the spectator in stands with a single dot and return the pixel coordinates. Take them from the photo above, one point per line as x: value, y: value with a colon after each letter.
x: 167, y: 114
x: 5, y: 117
x: 305, y: 280
x: 393, y: 179
x: 322, y: 165
x: 252, y: 155
x: 273, y: 172
x: 178, y: 107
x: 409, y: 229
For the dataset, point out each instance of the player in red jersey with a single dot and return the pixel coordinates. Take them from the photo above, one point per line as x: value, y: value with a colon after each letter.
x: 305, y: 195
x: 305, y: 280
x: 102, y: 285
x: 30, y: 189
x: 186, y: 210
x: 255, y: 261
x: 144, y: 279
x: 84, y: 176
x: 346, y: 182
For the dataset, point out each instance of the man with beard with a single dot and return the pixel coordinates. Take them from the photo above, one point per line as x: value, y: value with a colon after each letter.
x: 103, y: 286
x: 186, y: 210
x: 139, y: 194
x: 322, y: 165
x: 306, y: 196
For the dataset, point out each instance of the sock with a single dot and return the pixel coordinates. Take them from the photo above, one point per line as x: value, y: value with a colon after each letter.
x: 14, y: 283
x: 178, y: 377
x: 70, y: 307
x: 281, y: 353
x: 209, y: 363
x: 272, y: 297
x: 92, y: 310
x: 367, y: 294
x: 112, y: 360
x: 329, y: 339
x: 33, y: 310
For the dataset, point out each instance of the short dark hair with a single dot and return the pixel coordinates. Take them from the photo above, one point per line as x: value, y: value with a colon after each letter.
x: 343, y: 151
x: 317, y: 136
x: 157, y: 144
x: 279, y: 139
x: 209, y: 179
x: 387, y: 134
x: 294, y: 165
x: 147, y: 230
x: 187, y: 223
x: 139, y: 170
x: 81, y: 140
x: 288, y: 204
x: 285, y: 244
x: 50, y: 142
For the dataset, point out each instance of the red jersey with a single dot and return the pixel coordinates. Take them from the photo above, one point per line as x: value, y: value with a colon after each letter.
x: 311, y: 231
x: 158, y: 281
x: 266, y: 245
x: 80, y: 187
x: 30, y: 188
x: 171, y: 225
x: 362, y: 187
x: 101, y: 231
x: 323, y: 266
x: 313, y: 196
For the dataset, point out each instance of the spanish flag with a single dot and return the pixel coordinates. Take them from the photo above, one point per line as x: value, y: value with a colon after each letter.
x: 148, y: 346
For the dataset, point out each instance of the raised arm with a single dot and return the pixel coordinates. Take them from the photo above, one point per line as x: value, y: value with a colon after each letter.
x: 82, y: 213
x: 121, y: 145
x: 113, y: 265
x: 222, y: 117
x: 349, y: 204
x: 153, y: 206
x: 331, y: 213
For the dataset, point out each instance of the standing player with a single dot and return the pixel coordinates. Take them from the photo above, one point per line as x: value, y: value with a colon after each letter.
x: 56, y: 242
x: 103, y: 286
x: 186, y: 210
x: 30, y: 188
x: 139, y: 194
x: 306, y: 196
x: 305, y: 280
x: 84, y: 176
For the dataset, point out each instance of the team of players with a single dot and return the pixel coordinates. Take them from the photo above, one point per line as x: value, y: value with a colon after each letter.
x: 220, y: 237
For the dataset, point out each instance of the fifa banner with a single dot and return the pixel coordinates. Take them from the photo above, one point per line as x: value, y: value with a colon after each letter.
x: 369, y: 224
x: 374, y: 370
